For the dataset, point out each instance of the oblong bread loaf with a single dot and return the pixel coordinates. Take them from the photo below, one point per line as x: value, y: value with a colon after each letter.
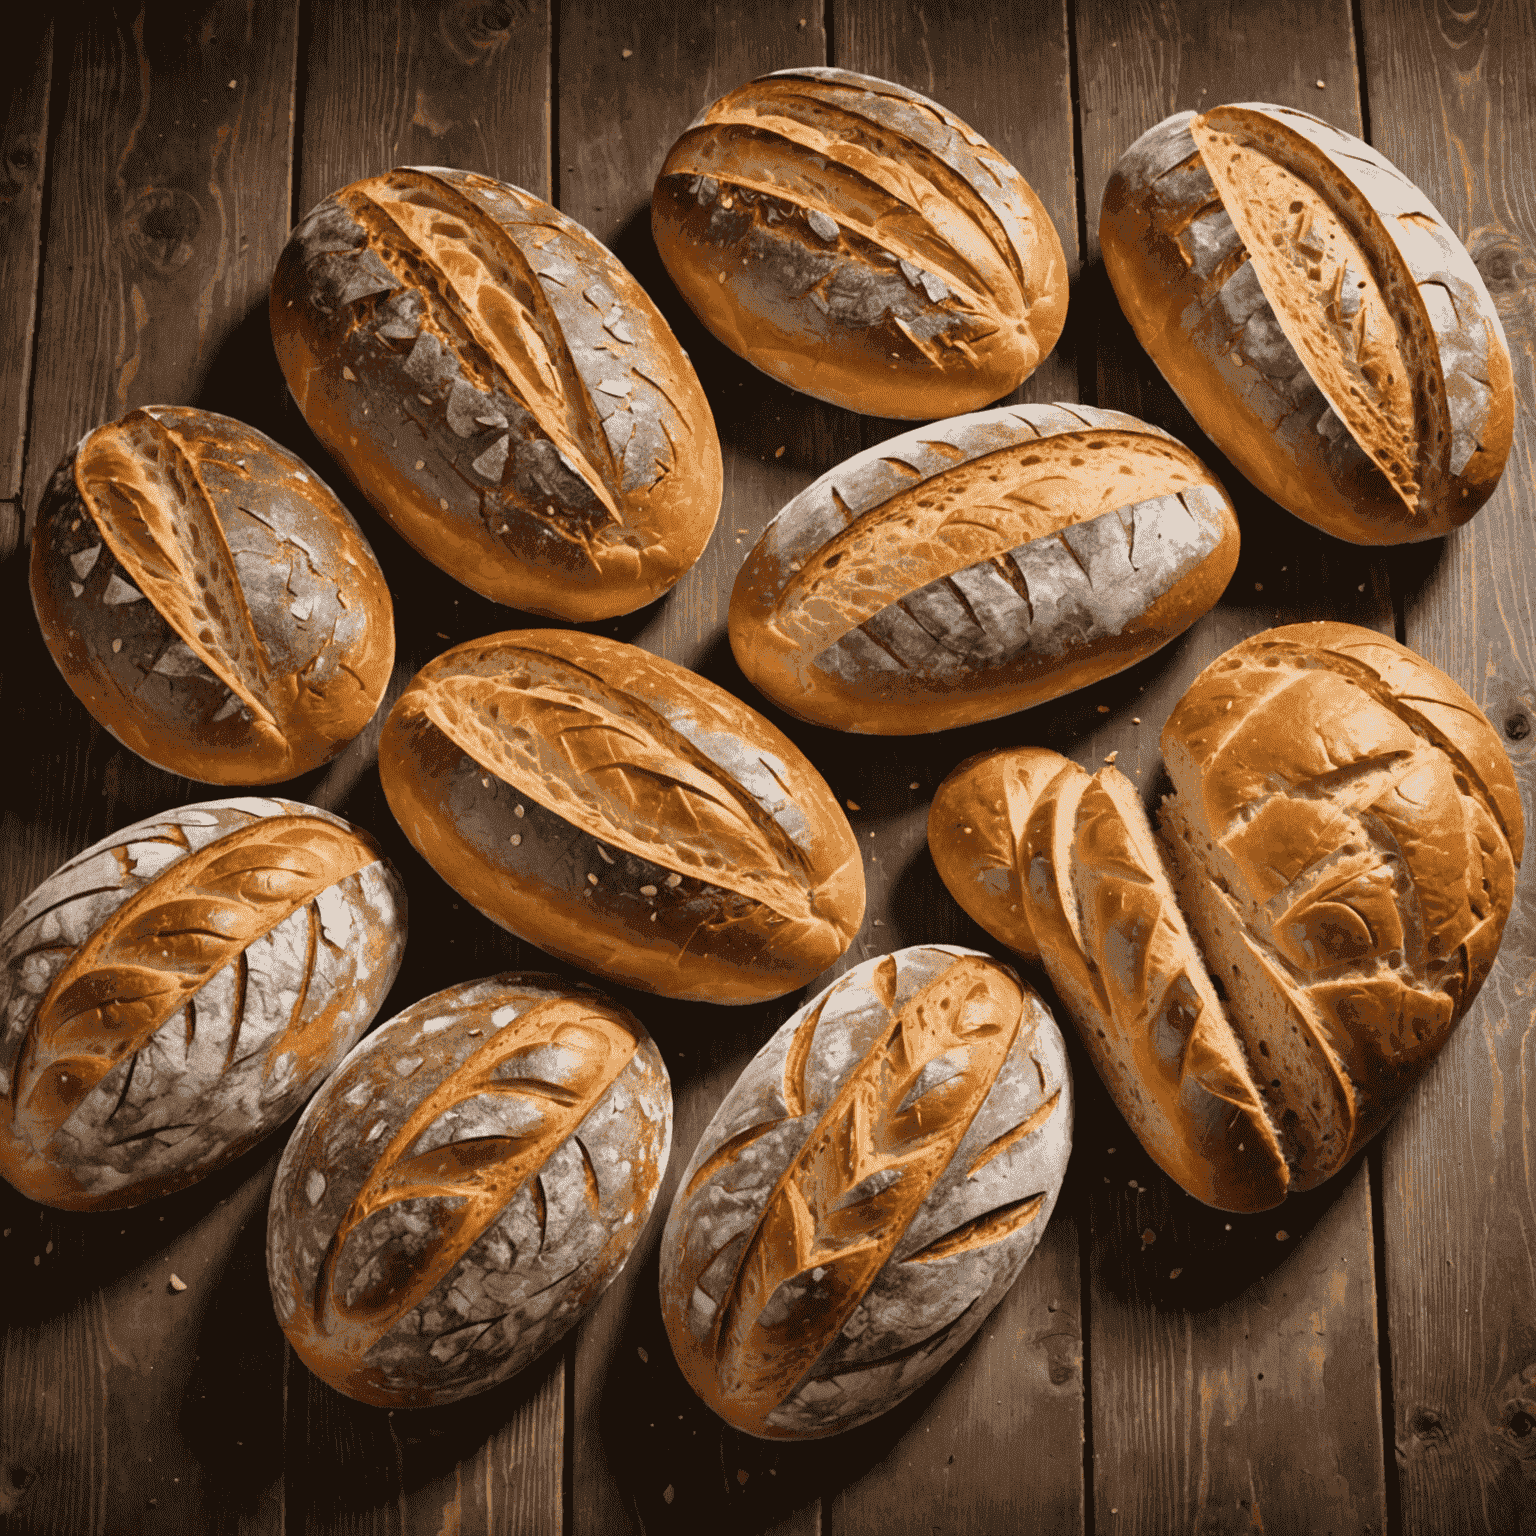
x: 1317, y: 315
x: 623, y: 813
x: 978, y: 566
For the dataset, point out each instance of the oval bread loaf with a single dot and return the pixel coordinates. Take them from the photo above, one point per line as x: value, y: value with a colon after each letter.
x: 1316, y: 314
x: 500, y: 388
x: 857, y: 241
x: 978, y: 566
x: 1339, y: 856
x: 624, y: 814
x: 867, y: 1192
x: 177, y: 990
x: 208, y: 599
x: 465, y: 1187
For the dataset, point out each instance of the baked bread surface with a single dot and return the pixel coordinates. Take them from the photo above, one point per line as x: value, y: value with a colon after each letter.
x: 208, y: 599
x: 625, y: 814
x: 1318, y: 317
x: 177, y: 990
x: 465, y: 1186
x: 500, y: 388
x: 866, y: 1193
x: 860, y: 243
x: 979, y: 566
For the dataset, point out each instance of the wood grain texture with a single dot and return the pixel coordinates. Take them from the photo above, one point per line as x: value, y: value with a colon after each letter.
x: 25, y: 81
x: 168, y: 201
x: 1195, y: 1453
x: 1451, y: 104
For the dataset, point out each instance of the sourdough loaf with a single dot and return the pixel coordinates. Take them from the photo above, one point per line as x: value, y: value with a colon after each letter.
x: 978, y: 566
x: 625, y: 814
x: 465, y: 1187
x: 867, y: 1192
x: 1342, y: 846
x: 857, y: 241
x: 177, y: 990
x: 1318, y: 317
x: 208, y: 599
x: 500, y: 388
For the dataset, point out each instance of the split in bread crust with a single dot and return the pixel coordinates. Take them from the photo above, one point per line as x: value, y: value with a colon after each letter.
x: 1343, y: 841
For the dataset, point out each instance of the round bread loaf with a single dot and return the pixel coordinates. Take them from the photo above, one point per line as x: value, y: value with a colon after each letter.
x: 1319, y: 318
x: 465, y: 1187
x: 208, y: 599
x: 176, y: 991
x: 624, y: 814
x: 1339, y: 856
x: 500, y: 388
x: 978, y: 566
x: 866, y: 1193
x: 857, y: 241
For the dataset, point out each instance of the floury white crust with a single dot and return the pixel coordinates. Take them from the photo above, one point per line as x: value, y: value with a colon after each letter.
x: 1340, y: 857
x: 500, y: 388
x: 979, y: 566
x: 867, y: 1192
x: 177, y: 990
x: 1318, y: 317
x: 860, y: 243
x: 465, y: 1186
x: 208, y: 599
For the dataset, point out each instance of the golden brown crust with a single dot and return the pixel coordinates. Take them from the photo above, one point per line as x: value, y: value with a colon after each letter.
x: 1318, y: 317
x: 624, y: 813
x: 176, y: 990
x: 465, y: 1186
x: 500, y: 388
x: 857, y: 241
x: 979, y: 566
x: 866, y: 1192
x: 208, y: 599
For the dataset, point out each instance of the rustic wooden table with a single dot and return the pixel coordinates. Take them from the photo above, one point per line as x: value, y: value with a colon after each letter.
x: 1364, y: 1360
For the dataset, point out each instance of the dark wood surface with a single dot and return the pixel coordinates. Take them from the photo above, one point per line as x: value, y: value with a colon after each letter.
x: 1364, y: 1360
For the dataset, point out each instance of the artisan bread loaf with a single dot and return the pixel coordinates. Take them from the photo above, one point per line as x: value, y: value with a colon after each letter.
x: 465, y: 1187
x: 623, y: 813
x: 177, y: 990
x: 1343, y: 841
x: 978, y: 566
x: 857, y: 241
x: 208, y: 599
x: 1319, y: 318
x: 500, y: 388
x: 867, y: 1192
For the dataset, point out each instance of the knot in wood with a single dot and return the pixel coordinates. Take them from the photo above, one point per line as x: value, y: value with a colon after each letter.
x: 1502, y: 261
x: 1427, y: 1425
x: 1517, y: 725
x: 162, y: 224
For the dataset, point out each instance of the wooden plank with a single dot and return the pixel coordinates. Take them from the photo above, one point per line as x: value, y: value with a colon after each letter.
x: 25, y: 81
x: 168, y: 204
x: 956, y: 1449
x: 1451, y: 104
x: 1233, y: 1375
x: 386, y: 83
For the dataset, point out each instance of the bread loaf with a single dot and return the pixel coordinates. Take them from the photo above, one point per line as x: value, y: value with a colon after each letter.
x: 177, y: 990
x: 1318, y: 317
x: 978, y: 566
x: 208, y: 599
x: 465, y: 1186
x: 623, y: 813
x: 500, y: 388
x: 857, y: 241
x: 1343, y: 844
x: 867, y: 1192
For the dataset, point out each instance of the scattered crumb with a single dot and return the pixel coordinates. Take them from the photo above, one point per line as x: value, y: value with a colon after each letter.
x: 591, y: 879
x: 1282, y: 1236
x: 1361, y: 587
x: 442, y: 636
x: 674, y: 881
x: 1322, y: 85
x: 349, y: 376
x: 627, y: 53
x: 117, y: 645
x: 1112, y: 756
x: 852, y: 805
x: 421, y: 463
x: 666, y: 1492
x: 720, y: 277
x: 645, y: 1358
x: 778, y: 452
x: 1258, y: 586
x: 742, y: 1475
x: 516, y: 839
x: 1103, y: 709
x: 442, y: 503
x: 1148, y: 1237
x: 879, y: 923
x: 1173, y: 1274
x: 177, y: 1283
x: 801, y: 22
x: 647, y: 890
x: 517, y: 811
x: 1135, y: 719
x: 914, y: 785
x: 231, y: 85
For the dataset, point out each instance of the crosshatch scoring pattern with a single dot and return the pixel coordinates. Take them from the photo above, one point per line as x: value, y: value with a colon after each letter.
x: 1368, y: 1365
